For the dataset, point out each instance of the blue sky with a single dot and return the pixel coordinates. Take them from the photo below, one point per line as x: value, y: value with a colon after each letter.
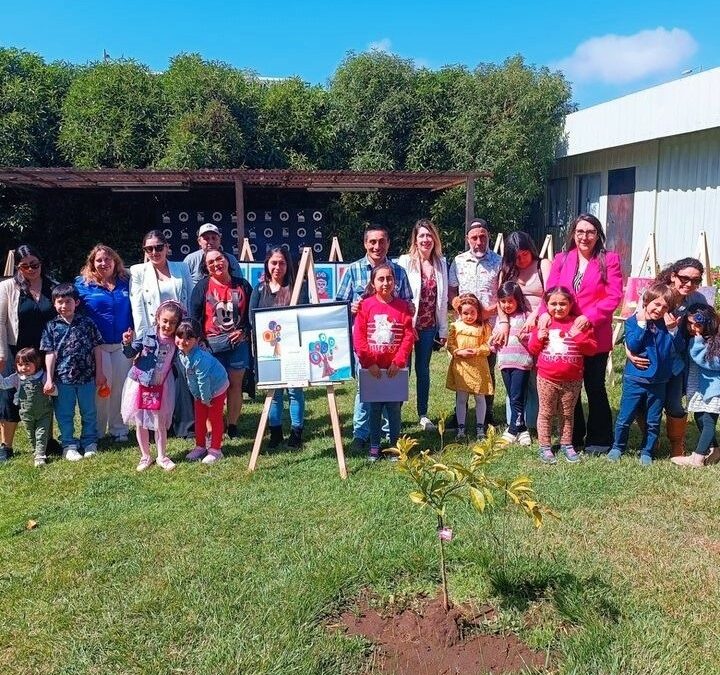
x: 607, y: 49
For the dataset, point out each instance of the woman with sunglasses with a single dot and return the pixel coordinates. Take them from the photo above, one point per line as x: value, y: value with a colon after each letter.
x: 151, y: 283
x: 685, y: 277
x: 25, y: 308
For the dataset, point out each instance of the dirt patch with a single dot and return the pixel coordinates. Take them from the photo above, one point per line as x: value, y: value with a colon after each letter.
x: 430, y: 641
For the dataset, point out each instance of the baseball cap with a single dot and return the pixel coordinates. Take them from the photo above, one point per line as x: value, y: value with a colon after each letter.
x: 477, y: 222
x: 208, y: 227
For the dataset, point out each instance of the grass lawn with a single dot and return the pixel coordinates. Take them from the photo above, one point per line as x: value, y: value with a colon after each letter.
x: 211, y: 570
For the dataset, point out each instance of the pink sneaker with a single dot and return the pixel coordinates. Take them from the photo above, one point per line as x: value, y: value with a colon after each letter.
x: 166, y: 463
x: 197, y: 453
x: 145, y: 463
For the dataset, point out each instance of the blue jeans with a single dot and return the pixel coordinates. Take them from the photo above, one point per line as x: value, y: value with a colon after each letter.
x: 516, y: 385
x: 673, y: 396
x: 706, y: 423
x: 392, y: 410
x: 84, y: 394
x: 531, y: 403
x: 296, y: 397
x: 423, y: 352
x: 634, y: 395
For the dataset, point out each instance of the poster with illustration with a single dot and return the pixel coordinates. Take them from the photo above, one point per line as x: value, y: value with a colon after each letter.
x: 325, y: 279
x: 303, y: 345
x: 256, y: 270
x: 634, y: 289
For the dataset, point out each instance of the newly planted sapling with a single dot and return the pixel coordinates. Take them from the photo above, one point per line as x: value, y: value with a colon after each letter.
x: 465, y: 479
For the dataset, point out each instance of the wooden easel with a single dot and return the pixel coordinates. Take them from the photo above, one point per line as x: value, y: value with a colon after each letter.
x: 499, y: 247
x: 548, y: 248
x: 703, y: 255
x: 306, y: 269
x: 246, y: 254
x: 335, y: 252
x: 9, y: 264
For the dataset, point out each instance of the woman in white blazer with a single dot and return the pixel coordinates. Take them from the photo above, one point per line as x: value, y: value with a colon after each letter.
x: 427, y: 272
x: 151, y: 283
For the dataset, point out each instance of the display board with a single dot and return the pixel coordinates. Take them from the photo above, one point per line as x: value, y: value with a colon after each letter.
x: 293, y: 229
x: 302, y: 345
x: 327, y: 277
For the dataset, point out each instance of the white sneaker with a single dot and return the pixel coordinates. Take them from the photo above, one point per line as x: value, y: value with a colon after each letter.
x: 524, y: 438
x: 90, y: 451
x: 426, y: 424
x: 509, y: 437
x: 212, y: 457
x: 71, y: 454
x: 39, y: 461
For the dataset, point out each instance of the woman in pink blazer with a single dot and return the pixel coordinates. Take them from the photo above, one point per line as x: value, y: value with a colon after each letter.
x: 595, y: 277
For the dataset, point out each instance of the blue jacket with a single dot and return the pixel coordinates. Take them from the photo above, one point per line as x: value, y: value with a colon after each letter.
x: 110, y: 310
x: 655, y: 343
x: 709, y: 369
x: 206, y: 376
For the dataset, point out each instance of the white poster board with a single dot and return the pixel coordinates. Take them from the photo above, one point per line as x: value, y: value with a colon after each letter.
x: 302, y: 345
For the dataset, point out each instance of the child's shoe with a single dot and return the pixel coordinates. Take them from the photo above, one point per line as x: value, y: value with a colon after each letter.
x: 71, y: 454
x: 426, y: 424
x: 524, y: 439
x: 212, y: 456
x: 196, y: 454
x: 145, y: 463
x: 166, y: 463
x: 546, y: 456
x: 614, y: 455
x: 480, y: 432
x: 646, y: 460
x: 509, y: 437
x: 696, y: 460
x: 4, y: 454
x: 90, y: 451
x: 374, y: 455
x: 570, y: 454
x: 40, y: 461
x: 460, y: 435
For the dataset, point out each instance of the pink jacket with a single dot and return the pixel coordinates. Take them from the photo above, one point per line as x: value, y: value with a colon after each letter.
x: 595, y: 300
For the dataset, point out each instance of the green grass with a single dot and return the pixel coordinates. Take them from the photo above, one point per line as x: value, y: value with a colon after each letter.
x: 212, y: 570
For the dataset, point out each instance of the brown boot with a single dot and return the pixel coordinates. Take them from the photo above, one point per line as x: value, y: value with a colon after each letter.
x: 676, y: 434
x: 695, y: 460
x: 713, y: 457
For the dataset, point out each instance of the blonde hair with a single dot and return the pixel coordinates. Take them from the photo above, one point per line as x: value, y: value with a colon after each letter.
x: 437, y: 246
x: 89, y: 273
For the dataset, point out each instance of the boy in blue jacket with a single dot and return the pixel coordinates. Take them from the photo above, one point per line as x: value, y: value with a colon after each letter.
x: 653, y: 334
x: 208, y: 383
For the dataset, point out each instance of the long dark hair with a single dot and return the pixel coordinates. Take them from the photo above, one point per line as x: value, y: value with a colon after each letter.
x: 598, y: 251
x: 289, y: 279
x: 707, y: 316
x: 23, y: 251
x: 514, y: 243
x: 370, y: 288
x: 567, y: 293
x: 666, y: 275
x: 511, y: 289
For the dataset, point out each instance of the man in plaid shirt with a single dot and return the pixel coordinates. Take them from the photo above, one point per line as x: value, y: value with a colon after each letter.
x: 354, y: 282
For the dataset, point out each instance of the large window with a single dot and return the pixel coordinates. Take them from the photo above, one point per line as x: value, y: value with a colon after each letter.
x: 589, y: 193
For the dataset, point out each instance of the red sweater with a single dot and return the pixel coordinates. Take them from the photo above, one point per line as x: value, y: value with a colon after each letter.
x: 383, y: 333
x: 560, y: 358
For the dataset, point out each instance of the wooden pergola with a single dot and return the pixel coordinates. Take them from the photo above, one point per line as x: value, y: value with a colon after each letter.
x: 150, y: 180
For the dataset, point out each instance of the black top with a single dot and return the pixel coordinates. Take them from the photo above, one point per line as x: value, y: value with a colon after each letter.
x: 32, y: 317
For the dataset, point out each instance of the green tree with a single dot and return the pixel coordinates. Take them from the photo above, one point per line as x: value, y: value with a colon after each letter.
x: 112, y: 116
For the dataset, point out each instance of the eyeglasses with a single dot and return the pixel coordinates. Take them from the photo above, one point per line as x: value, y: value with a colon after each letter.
x: 588, y: 234
x: 684, y: 281
x: 154, y: 248
x: 29, y: 266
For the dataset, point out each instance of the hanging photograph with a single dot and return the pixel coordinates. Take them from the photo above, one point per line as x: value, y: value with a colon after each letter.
x: 302, y: 345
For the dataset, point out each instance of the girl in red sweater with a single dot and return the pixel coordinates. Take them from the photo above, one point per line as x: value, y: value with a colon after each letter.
x: 383, y: 337
x: 559, y: 349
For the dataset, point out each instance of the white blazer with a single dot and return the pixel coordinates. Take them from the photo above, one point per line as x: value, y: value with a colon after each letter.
x: 441, y: 277
x: 145, y: 292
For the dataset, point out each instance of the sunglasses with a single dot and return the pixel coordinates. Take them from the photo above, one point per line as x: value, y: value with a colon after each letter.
x: 695, y: 281
x: 29, y: 266
x: 154, y: 248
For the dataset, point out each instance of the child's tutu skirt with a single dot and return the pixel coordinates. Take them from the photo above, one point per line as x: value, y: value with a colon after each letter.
x: 149, y: 419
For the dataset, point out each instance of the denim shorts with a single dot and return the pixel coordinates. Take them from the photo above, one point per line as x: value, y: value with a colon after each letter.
x: 235, y: 359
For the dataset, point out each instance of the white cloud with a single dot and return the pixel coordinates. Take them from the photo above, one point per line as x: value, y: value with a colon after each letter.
x: 383, y: 45
x: 619, y: 59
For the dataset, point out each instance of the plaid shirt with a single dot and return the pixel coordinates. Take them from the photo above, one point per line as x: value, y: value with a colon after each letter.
x: 74, y: 343
x: 357, y: 277
x: 479, y: 276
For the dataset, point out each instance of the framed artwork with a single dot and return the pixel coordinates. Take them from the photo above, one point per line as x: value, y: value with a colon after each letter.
x: 302, y: 345
x: 326, y: 284
x: 255, y: 273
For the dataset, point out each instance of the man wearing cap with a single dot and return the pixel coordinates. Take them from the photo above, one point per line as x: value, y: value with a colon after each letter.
x: 476, y: 271
x: 209, y: 238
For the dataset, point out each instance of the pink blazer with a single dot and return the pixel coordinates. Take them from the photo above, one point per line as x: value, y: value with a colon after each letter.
x: 595, y: 299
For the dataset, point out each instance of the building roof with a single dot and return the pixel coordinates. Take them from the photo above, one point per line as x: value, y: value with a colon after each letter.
x: 145, y: 180
x: 682, y: 106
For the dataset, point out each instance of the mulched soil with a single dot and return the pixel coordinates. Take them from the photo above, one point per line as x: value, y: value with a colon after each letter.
x: 428, y: 640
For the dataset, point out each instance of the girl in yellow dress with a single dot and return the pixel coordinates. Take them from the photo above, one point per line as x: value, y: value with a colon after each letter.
x: 469, y: 372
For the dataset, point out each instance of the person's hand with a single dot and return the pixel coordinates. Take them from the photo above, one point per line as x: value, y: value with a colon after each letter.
x: 670, y: 321
x: 500, y: 335
x: 374, y: 370
x: 441, y: 341
x: 543, y: 334
x: 354, y: 307
x: 48, y: 388
x: 640, y: 315
x: 543, y: 322
x: 529, y: 324
x: 640, y: 362
x: 581, y: 323
x: 128, y: 336
x: 100, y: 379
x: 465, y: 353
x: 411, y: 307
x: 392, y: 370
x: 236, y: 336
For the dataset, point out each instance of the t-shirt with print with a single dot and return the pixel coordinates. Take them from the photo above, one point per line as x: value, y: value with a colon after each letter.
x: 223, y: 306
x: 74, y: 344
x: 383, y: 333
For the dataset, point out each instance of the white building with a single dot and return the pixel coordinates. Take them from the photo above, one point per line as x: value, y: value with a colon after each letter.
x: 647, y: 162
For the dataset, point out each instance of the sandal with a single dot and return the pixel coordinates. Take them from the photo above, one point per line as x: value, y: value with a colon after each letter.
x: 145, y: 463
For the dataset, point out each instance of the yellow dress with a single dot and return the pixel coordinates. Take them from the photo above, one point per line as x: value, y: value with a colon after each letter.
x: 470, y: 374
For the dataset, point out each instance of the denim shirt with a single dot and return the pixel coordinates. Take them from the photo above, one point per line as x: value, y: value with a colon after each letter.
x: 206, y: 376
